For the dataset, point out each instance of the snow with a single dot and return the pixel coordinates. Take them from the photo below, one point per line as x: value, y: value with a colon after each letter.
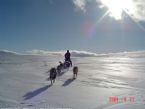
x: 24, y: 81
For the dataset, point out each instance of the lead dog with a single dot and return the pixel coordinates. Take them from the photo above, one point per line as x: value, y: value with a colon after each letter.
x: 52, y: 75
x: 75, y: 71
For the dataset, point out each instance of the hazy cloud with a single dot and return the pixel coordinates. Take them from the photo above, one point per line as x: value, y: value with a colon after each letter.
x: 80, y: 4
x: 137, y: 13
x: 139, y: 10
x: 74, y: 53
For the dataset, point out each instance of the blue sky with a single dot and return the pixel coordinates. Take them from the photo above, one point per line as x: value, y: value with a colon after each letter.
x: 67, y: 24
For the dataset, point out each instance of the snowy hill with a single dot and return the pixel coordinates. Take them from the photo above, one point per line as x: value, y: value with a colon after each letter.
x: 24, y: 80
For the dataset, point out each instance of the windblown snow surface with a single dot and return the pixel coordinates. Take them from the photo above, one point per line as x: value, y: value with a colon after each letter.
x: 24, y: 81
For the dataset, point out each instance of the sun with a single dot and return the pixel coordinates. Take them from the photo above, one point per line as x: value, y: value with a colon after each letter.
x: 117, y: 7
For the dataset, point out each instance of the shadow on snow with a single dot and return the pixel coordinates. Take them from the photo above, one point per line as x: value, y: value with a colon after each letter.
x: 36, y: 92
x: 67, y: 82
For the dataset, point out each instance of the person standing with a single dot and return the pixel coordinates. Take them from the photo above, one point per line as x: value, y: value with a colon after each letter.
x: 67, y: 57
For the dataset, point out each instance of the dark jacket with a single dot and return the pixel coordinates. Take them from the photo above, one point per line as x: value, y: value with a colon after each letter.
x: 67, y: 56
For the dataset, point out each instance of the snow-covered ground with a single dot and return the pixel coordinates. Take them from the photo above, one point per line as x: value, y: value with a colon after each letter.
x: 24, y: 81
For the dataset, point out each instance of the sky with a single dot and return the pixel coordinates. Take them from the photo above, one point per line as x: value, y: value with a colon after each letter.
x: 89, y: 25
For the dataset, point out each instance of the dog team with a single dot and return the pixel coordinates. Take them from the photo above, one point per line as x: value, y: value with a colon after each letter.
x: 57, y: 71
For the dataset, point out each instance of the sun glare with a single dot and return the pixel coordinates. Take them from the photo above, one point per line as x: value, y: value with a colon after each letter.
x: 117, y: 7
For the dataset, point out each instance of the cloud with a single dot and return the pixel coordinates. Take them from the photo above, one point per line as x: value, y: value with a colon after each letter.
x: 77, y: 53
x: 80, y: 4
x: 74, y: 53
x: 45, y: 52
x: 137, y: 12
x: 8, y: 52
